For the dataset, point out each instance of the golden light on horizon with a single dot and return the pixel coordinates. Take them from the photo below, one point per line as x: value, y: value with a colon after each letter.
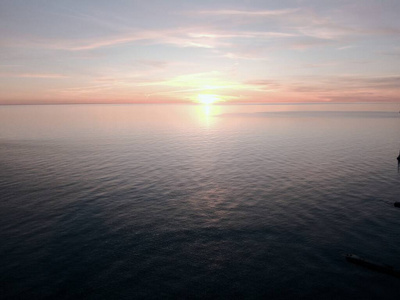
x: 207, y: 99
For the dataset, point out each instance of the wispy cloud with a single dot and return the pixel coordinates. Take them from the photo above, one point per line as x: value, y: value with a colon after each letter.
x: 259, y: 13
x: 348, y: 83
x: 352, y: 88
x: 326, y: 31
x: 347, y: 47
x: 180, y: 37
x: 392, y: 52
x: 34, y: 75
x: 310, y: 42
x: 244, y: 56
x: 242, y: 34
x: 149, y: 63
x: 87, y: 89
x: 263, y: 85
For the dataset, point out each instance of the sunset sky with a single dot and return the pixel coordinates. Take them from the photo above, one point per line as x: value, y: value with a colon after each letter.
x: 174, y: 51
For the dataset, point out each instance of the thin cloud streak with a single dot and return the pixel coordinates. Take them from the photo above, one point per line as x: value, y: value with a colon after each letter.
x: 35, y: 75
x: 197, y: 38
x: 262, y: 13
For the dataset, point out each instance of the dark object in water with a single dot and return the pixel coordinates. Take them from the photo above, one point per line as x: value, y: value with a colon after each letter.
x: 372, y: 266
x: 398, y: 157
x: 397, y: 204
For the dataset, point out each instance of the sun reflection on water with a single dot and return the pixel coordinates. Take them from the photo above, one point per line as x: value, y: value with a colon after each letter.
x: 206, y: 114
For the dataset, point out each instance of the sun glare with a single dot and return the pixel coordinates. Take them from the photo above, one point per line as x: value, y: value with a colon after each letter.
x: 207, y: 99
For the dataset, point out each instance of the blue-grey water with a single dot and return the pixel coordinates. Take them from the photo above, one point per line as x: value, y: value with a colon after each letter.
x: 164, y: 201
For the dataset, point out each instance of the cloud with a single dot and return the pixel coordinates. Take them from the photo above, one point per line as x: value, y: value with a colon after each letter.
x: 263, y: 84
x: 346, y: 47
x: 35, y: 75
x: 180, y: 37
x: 351, y: 88
x: 156, y: 64
x: 309, y: 42
x: 350, y: 83
x: 321, y: 64
x: 387, y: 82
x: 98, y: 90
x: 244, y: 53
x: 259, y: 13
x: 242, y: 34
x: 387, y: 31
x: 329, y: 88
x: 243, y: 56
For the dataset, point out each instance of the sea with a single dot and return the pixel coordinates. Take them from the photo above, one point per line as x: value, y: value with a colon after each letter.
x: 198, y: 201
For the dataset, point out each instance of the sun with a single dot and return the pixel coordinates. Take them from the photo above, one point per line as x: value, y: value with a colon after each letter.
x: 207, y: 99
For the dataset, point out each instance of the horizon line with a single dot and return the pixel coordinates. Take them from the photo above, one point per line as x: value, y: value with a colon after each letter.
x: 195, y: 103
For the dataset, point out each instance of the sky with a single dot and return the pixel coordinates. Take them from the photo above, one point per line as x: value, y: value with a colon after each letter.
x: 120, y: 51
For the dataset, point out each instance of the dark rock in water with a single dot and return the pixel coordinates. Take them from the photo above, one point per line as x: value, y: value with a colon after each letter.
x: 372, y: 265
x: 397, y: 204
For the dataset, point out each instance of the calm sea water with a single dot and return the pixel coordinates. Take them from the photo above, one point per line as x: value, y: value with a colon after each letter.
x: 162, y: 201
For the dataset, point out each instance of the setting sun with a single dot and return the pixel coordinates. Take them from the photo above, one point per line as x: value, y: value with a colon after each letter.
x: 207, y: 98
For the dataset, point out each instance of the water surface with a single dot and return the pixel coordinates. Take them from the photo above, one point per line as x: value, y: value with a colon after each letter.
x: 163, y: 201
